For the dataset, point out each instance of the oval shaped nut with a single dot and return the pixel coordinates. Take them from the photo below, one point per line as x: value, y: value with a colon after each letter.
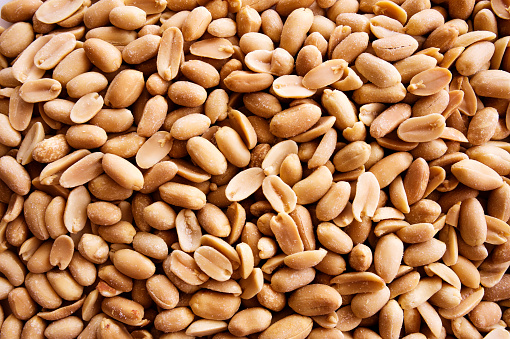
x: 259, y: 60
x: 150, y: 245
x: 500, y: 8
x: 376, y: 70
x: 93, y: 248
x: 8, y: 135
x: 12, y: 268
x: 294, y: 120
x: 182, y: 195
x: 416, y: 233
x: 222, y: 28
x: 86, y: 108
x: 351, y: 45
x: 369, y: 93
x: 34, y: 209
x: 214, y: 305
x: 262, y: 104
x: 55, y: 50
x: 125, y: 88
x: 281, y: 197
x: 334, y: 238
x: 282, y: 63
x: 16, y: 38
x: 71, y: 325
x: 385, y: 173
x: 314, y: 300
x: 83, y: 171
x: 201, y: 73
x: 388, y: 256
x: 14, y: 175
x: 276, y: 155
x: 124, y: 310
x: 294, y: 326
x: 103, y: 213
x: 187, y: 94
x: 334, y: 201
x: 243, y: 127
x: 482, y: 126
x: 497, y: 202
x: 169, y: 53
x: 141, y: 49
x: 153, y: 150
x: 86, y: 136
x: 214, y: 221
x: 127, y: 17
x: 213, y: 263
x: 125, y: 145
x: 422, y: 129
x: 425, y: 289
x: 62, y: 252
x: 249, y: 321
x: 196, y: 23
x: 308, y: 58
x: 188, y: 230
x: 40, y: 90
x: 14, y: 208
x: 389, y: 119
x: 295, y: 28
x: 364, y: 305
x: 173, y: 320
x: 424, y: 253
x: 82, y: 270
x: 159, y: 174
x: 248, y: 82
x: 232, y: 146
x: 72, y: 65
x: 287, y: 279
x: 86, y: 83
x: 162, y: 291
x: 291, y: 86
x: 286, y: 233
x: 424, y: 22
x: 352, y: 156
x: 41, y: 291
x: 244, y: 184
x: 395, y: 47
x: 113, y: 120
x: 133, y: 264
x: 102, y: 54
x: 23, y: 68
x: 122, y: 172
x: 473, y: 298
x: 159, y: 215
x: 313, y: 187
x: 325, y: 74
x: 206, y: 155
x: 476, y: 175
x: 153, y: 116
x: 57, y: 10
x: 20, y: 10
x: 20, y: 111
x: 305, y: 259
x: 491, y: 83
x: 472, y: 224
x: 467, y: 65
x: 38, y: 258
x: 183, y: 266
x: 430, y: 81
x: 366, y: 199
x: 215, y: 48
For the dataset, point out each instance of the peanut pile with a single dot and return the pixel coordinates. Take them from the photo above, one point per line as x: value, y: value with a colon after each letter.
x: 270, y: 169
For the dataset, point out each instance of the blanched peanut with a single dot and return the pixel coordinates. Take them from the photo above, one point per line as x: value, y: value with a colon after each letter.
x: 346, y: 163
